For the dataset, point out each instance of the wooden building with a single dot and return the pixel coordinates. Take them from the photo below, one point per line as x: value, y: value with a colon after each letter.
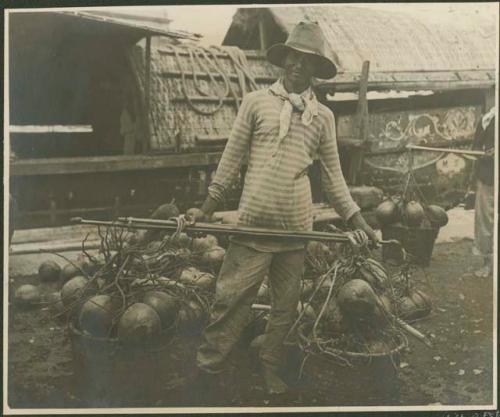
x: 426, y: 85
x: 114, y: 115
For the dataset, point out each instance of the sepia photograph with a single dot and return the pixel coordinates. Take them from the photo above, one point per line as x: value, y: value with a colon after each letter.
x: 251, y: 208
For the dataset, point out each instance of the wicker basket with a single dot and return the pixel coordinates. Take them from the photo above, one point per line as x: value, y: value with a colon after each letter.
x: 418, y: 242
x: 108, y: 373
x: 369, y: 379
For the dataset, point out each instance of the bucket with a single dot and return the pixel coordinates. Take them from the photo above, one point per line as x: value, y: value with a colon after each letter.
x: 363, y: 379
x: 417, y: 242
x: 110, y: 374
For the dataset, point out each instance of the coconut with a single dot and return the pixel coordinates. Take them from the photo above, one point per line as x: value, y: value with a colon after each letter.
x: 387, y: 303
x: 54, y: 301
x: 140, y: 324
x: 190, y: 316
x: 356, y: 299
x: 165, y: 212
x: 164, y: 304
x: 386, y: 212
x: 319, y: 250
x: 76, y: 288
x: 414, y: 306
x: 203, y: 244
x: 96, y: 315
x: 413, y: 213
x: 437, y: 216
x: 71, y: 270
x: 181, y: 239
x: 49, y: 271
x: 195, y: 277
x: 183, y: 254
x: 214, y: 256
x: 374, y: 273
x: 27, y: 295
x: 309, y: 313
x: 154, y: 246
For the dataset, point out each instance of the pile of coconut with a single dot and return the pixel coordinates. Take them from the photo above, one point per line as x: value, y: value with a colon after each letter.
x: 355, y: 304
x: 144, y: 286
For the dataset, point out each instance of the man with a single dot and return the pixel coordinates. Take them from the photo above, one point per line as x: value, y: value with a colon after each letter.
x: 282, y: 129
x: 483, y: 180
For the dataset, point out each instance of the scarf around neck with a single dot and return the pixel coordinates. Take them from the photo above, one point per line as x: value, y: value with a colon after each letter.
x: 305, y: 103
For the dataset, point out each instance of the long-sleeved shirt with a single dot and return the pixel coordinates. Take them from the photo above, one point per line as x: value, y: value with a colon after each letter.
x: 277, y: 191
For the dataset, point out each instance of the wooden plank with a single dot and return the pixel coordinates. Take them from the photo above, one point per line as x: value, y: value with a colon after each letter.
x: 203, y: 99
x: 341, y: 86
x: 81, y: 165
x: 448, y: 150
x: 211, y: 139
x: 205, y: 75
x: 50, y: 129
x: 48, y: 234
x: 57, y: 246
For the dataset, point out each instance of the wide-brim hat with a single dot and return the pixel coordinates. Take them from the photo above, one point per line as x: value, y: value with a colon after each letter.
x: 308, y: 38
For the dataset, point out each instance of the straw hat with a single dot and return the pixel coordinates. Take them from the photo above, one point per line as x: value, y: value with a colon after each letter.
x: 308, y: 38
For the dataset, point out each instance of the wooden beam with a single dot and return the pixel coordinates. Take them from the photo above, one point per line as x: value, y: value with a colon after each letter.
x: 205, y: 75
x: 50, y: 129
x: 447, y: 150
x: 81, y: 165
x: 211, y: 139
x: 343, y: 86
x: 203, y: 99
x: 262, y: 35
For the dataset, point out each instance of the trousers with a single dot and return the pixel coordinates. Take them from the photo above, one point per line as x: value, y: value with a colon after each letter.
x: 483, y: 220
x: 239, y: 280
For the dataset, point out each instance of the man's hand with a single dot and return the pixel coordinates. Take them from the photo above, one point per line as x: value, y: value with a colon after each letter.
x: 359, y: 222
x: 194, y: 215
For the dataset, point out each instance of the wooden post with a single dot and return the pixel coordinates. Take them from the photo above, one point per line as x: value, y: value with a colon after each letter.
x: 489, y: 99
x: 360, y: 126
x: 147, y: 93
x: 262, y: 35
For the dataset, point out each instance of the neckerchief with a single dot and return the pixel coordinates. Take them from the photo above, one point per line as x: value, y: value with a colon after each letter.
x: 305, y: 103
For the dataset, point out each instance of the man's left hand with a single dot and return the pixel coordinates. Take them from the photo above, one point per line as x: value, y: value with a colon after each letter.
x: 360, y: 223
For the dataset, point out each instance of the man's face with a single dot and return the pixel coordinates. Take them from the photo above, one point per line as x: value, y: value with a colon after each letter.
x: 299, y: 69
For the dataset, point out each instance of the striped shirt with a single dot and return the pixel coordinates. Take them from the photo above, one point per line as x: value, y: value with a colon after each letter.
x: 277, y: 191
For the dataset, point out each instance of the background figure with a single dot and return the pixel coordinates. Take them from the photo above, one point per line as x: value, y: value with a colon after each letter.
x: 483, y: 181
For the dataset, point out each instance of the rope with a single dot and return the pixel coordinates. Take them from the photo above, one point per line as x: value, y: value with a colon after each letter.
x: 208, y: 61
x: 186, y: 95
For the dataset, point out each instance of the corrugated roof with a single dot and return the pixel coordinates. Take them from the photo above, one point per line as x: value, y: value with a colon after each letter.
x: 142, y: 25
x: 391, y: 41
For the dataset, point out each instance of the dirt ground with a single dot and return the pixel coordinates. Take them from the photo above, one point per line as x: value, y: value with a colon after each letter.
x: 458, y: 371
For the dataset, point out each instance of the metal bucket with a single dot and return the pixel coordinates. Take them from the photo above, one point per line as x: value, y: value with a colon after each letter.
x: 110, y: 374
x: 352, y: 379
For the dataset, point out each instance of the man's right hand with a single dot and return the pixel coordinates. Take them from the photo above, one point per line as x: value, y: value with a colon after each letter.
x: 194, y: 215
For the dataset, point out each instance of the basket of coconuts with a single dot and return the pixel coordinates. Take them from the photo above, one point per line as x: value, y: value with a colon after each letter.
x: 413, y: 223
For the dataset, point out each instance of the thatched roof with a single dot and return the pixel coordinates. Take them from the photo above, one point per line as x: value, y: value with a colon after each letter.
x: 174, y: 124
x: 400, y: 47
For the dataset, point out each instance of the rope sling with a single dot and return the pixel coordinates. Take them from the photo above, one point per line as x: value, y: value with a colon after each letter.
x: 208, y: 61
